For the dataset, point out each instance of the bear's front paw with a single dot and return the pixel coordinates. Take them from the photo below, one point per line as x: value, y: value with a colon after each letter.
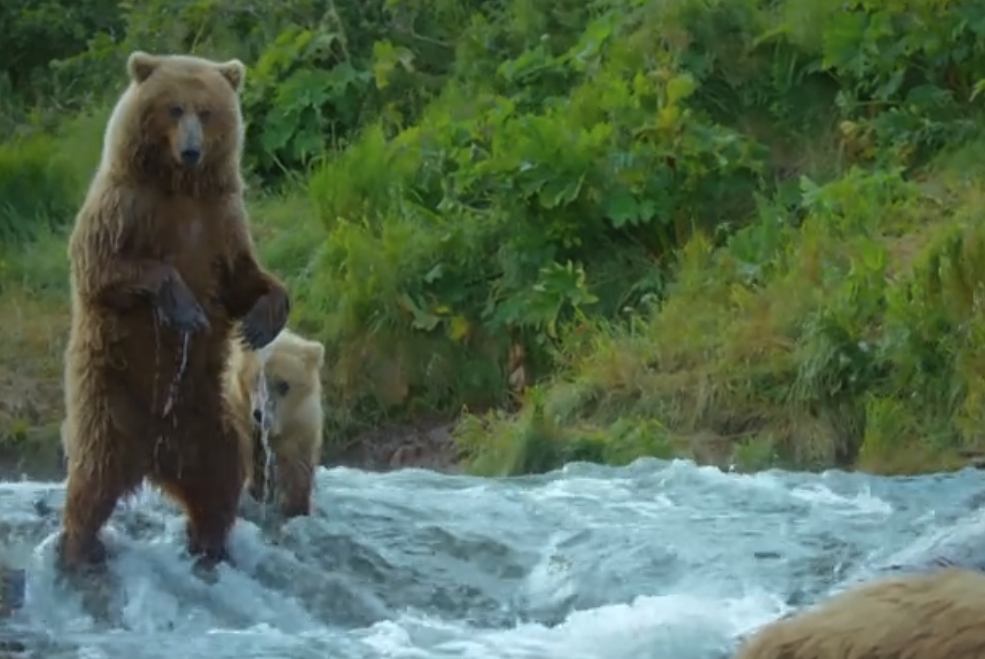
x: 179, y: 308
x: 266, y: 319
x: 209, y: 551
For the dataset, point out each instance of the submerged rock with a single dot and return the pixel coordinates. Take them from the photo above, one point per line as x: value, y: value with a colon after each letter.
x: 12, y: 588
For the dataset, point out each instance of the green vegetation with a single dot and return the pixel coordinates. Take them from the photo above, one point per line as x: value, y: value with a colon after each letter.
x: 743, y: 231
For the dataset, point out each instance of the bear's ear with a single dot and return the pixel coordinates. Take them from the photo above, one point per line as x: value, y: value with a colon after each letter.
x: 141, y: 65
x: 314, y: 354
x: 235, y: 72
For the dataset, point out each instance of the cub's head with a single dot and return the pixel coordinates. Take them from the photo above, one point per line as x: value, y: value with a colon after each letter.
x: 289, y: 381
x: 180, y: 116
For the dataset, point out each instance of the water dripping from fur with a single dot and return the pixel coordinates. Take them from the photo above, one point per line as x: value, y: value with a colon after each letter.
x: 172, y: 398
x: 158, y: 320
x: 268, y: 470
x: 172, y: 394
x: 266, y: 422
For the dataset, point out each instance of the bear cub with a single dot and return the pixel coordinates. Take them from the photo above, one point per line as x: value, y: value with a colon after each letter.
x: 278, y: 389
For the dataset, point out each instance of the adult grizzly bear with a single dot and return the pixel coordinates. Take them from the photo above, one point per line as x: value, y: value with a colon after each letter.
x: 936, y: 615
x: 162, y: 265
x: 279, y: 388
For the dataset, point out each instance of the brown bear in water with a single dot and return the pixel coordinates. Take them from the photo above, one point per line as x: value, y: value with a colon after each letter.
x: 280, y: 387
x: 162, y: 265
x: 936, y: 615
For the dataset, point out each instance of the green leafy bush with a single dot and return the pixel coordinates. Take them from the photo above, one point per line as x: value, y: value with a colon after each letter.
x: 492, y: 219
x: 37, y: 189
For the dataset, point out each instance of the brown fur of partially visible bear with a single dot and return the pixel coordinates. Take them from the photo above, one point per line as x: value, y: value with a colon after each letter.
x: 161, y: 255
x: 936, y: 615
x: 288, y: 398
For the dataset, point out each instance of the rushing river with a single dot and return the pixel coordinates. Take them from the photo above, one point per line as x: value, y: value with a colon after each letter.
x: 652, y: 561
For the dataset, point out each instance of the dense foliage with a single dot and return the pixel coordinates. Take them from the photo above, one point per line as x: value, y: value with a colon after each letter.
x: 682, y: 218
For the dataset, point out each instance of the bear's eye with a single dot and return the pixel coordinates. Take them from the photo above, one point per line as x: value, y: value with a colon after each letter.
x: 205, y: 115
x: 281, y: 387
x: 175, y: 111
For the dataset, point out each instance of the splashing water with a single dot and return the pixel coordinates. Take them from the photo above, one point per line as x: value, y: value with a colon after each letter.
x: 655, y: 560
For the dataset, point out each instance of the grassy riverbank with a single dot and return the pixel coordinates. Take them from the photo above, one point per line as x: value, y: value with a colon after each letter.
x: 583, y: 230
x: 854, y: 339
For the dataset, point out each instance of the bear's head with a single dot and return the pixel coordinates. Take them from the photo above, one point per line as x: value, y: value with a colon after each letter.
x: 290, y: 382
x: 179, y: 117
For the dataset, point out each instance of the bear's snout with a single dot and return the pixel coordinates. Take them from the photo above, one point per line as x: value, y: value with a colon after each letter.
x: 258, y: 416
x: 188, y: 145
x: 191, y: 156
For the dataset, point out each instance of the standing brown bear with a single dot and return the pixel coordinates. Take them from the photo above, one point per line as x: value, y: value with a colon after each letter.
x: 162, y: 265
x: 937, y: 615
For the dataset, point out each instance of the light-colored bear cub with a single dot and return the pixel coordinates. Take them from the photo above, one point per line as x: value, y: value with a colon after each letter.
x: 278, y: 389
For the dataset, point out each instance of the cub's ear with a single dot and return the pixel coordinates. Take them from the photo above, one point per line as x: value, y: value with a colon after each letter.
x: 141, y: 65
x: 234, y: 71
x: 314, y: 354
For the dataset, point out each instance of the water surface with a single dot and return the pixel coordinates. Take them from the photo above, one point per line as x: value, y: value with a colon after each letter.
x: 655, y: 560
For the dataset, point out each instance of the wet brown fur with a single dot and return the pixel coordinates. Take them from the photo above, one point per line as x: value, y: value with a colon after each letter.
x: 936, y: 615
x: 147, y: 220
x: 296, y: 436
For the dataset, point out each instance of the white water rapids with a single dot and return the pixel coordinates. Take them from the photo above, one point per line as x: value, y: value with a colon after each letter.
x: 651, y: 561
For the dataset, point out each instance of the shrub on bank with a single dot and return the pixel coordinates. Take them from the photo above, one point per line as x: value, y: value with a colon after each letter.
x: 479, y: 229
x: 855, y: 338
x: 36, y: 189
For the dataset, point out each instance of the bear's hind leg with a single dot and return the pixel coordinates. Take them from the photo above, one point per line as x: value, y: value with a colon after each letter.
x: 97, y: 479
x: 208, y: 485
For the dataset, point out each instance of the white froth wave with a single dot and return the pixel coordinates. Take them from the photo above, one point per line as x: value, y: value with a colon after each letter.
x: 763, y: 480
x: 582, y: 488
x: 863, y: 502
x: 648, y: 626
x: 551, y: 581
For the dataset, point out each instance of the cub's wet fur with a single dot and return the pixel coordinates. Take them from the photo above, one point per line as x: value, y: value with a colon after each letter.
x: 278, y: 389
